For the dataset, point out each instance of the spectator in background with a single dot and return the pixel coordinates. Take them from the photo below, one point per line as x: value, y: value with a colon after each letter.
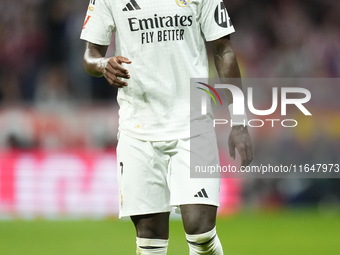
x: 56, y: 30
x: 53, y: 89
x: 21, y: 46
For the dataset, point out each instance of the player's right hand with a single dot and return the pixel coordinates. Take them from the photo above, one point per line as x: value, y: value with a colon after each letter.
x: 112, y: 70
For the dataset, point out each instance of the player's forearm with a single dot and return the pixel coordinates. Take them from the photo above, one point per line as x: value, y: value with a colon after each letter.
x: 226, y: 64
x: 94, y: 60
x: 227, y: 68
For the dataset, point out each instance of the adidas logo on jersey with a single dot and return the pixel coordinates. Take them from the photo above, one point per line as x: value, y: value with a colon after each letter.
x: 132, y: 6
x: 202, y: 193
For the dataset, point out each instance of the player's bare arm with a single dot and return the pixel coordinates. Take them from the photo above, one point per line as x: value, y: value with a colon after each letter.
x: 96, y: 64
x: 227, y: 67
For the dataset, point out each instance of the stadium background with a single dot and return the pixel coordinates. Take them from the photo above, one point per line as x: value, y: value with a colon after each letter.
x: 58, y: 127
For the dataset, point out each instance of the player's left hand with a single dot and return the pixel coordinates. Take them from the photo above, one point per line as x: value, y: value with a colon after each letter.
x: 239, y: 138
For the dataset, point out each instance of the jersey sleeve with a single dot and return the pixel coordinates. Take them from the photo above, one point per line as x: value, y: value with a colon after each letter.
x: 214, y: 20
x: 99, y: 23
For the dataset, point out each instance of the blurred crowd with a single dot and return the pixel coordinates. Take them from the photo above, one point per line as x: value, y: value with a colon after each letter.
x: 41, y: 66
x: 41, y: 54
x: 287, y: 38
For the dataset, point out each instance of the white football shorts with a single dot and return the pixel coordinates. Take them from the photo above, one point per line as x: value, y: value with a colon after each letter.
x: 153, y: 176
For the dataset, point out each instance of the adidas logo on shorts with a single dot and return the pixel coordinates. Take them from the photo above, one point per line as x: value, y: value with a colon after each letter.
x: 132, y: 6
x: 202, y: 193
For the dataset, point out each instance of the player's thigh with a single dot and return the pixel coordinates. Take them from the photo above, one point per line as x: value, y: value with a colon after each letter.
x: 153, y: 226
x: 198, y: 218
x: 142, y: 178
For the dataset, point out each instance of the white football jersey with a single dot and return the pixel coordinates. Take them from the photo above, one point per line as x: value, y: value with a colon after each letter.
x: 164, y: 39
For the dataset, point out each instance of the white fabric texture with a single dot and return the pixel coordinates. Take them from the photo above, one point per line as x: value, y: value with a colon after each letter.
x: 153, y: 176
x: 207, y: 243
x: 147, y: 246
